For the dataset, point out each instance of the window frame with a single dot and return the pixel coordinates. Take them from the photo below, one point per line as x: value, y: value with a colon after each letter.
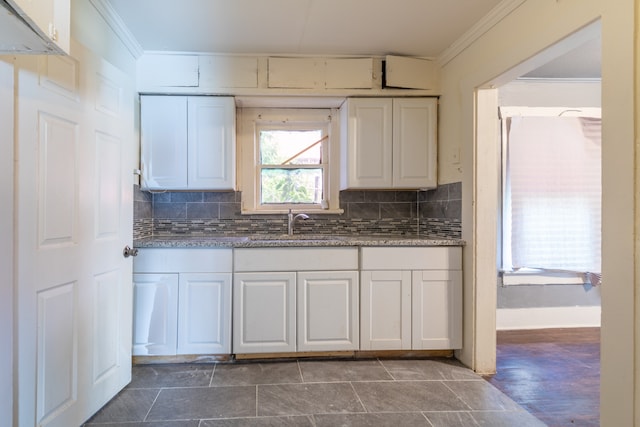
x: 528, y: 276
x: 252, y: 120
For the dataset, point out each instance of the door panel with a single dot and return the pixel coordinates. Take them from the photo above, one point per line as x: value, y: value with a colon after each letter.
x: 204, y: 319
x: 107, y: 288
x: 155, y: 324
x: 386, y: 310
x: 264, y: 312
x: 328, y: 311
x: 163, y: 138
x: 57, y: 169
x: 108, y: 185
x: 437, y: 309
x: 370, y: 143
x: 57, y: 387
x: 211, y: 142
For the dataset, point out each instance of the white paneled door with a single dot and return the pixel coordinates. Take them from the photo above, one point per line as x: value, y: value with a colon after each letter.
x: 74, y: 214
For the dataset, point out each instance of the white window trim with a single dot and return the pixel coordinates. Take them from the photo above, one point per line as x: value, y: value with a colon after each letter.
x: 250, y: 118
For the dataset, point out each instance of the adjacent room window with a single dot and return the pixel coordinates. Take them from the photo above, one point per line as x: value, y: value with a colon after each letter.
x: 552, y: 191
x: 287, y: 160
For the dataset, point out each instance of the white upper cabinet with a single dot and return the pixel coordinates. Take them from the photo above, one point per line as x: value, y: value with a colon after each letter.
x: 368, y: 142
x: 415, y: 142
x: 164, y: 142
x: 188, y: 142
x: 50, y: 19
x: 389, y: 143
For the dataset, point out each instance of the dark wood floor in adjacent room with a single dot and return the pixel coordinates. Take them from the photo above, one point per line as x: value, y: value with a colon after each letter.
x: 553, y: 373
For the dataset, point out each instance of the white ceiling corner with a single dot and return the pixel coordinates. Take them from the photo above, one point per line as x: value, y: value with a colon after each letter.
x: 114, y: 21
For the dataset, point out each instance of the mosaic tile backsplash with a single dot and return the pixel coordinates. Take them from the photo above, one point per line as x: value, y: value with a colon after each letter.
x: 433, y: 213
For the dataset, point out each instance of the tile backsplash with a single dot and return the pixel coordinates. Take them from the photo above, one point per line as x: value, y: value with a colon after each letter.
x: 433, y: 213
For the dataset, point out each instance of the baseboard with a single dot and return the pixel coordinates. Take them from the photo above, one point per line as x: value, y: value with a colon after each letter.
x: 547, y: 317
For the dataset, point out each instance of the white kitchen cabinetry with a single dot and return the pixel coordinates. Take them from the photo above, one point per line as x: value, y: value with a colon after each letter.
x: 264, y: 312
x: 51, y: 19
x: 187, y: 142
x: 389, y: 143
x: 155, y: 302
x: 385, y: 305
x: 295, y: 299
x: 182, y: 301
x: 327, y: 311
x: 411, y: 298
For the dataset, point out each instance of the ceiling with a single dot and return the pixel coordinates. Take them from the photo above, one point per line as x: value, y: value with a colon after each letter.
x: 422, y: 28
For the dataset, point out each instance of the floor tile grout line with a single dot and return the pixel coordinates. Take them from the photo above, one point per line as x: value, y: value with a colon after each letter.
x: 300, y: 372
x: 456, y: 395
x: 386, y: 369
x: 213, y: 373
x: 366, y: 410
x: 257, y: 402
x: 151, y: 406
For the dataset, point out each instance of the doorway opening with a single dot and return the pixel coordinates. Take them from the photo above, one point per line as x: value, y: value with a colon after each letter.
x: 565, y: 76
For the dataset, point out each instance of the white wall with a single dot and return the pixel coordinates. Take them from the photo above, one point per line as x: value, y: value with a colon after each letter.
x: 527, y: 31
x: 553, y: 93
x: 6, y: 241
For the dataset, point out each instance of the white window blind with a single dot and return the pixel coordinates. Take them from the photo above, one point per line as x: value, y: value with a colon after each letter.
x: 552, y: 194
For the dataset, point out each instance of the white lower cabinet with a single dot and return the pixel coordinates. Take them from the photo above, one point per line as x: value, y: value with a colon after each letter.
x: 285, y: 300
x: 411, y: 298
x: 436, y: 309
x: 204, y: 316
x: 264, y: 312
x: 295, y: 299
x: 155, y: 311
x: 385, y: 305
x: 327, y: 310
x: 182, y: 302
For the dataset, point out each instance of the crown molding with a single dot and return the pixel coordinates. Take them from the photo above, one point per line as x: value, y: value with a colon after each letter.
x: 494, y: 16
x: 114, y: 21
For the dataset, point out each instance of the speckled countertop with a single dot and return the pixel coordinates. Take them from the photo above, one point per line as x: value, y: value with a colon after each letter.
x: 275, y: 241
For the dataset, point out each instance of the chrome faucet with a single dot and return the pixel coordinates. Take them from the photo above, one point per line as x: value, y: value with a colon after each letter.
x: 292, y: 220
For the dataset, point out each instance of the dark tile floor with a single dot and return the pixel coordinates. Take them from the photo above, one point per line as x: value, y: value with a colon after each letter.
x: 553, y: 373
x: 380, y: 392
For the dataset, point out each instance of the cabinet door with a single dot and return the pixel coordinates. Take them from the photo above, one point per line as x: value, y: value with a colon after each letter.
x: 163, y: 121
x: 155, y: 310
x: 264, y: 312
x: 414, y: 143
x: 369, y: 143
x: 204, y: 313
x: 52, y: 19
x: 211, y: 146
x: 385, y: 304
x: 437, y: 309
x: 328, y: 318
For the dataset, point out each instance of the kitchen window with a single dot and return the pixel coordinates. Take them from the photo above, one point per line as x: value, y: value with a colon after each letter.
x: 287, y: 159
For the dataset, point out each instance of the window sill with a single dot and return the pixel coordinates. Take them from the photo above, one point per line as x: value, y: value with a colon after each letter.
x: 541, y: 277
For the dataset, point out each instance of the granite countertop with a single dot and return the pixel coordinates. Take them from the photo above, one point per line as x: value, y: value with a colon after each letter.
x: 300, y: 240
